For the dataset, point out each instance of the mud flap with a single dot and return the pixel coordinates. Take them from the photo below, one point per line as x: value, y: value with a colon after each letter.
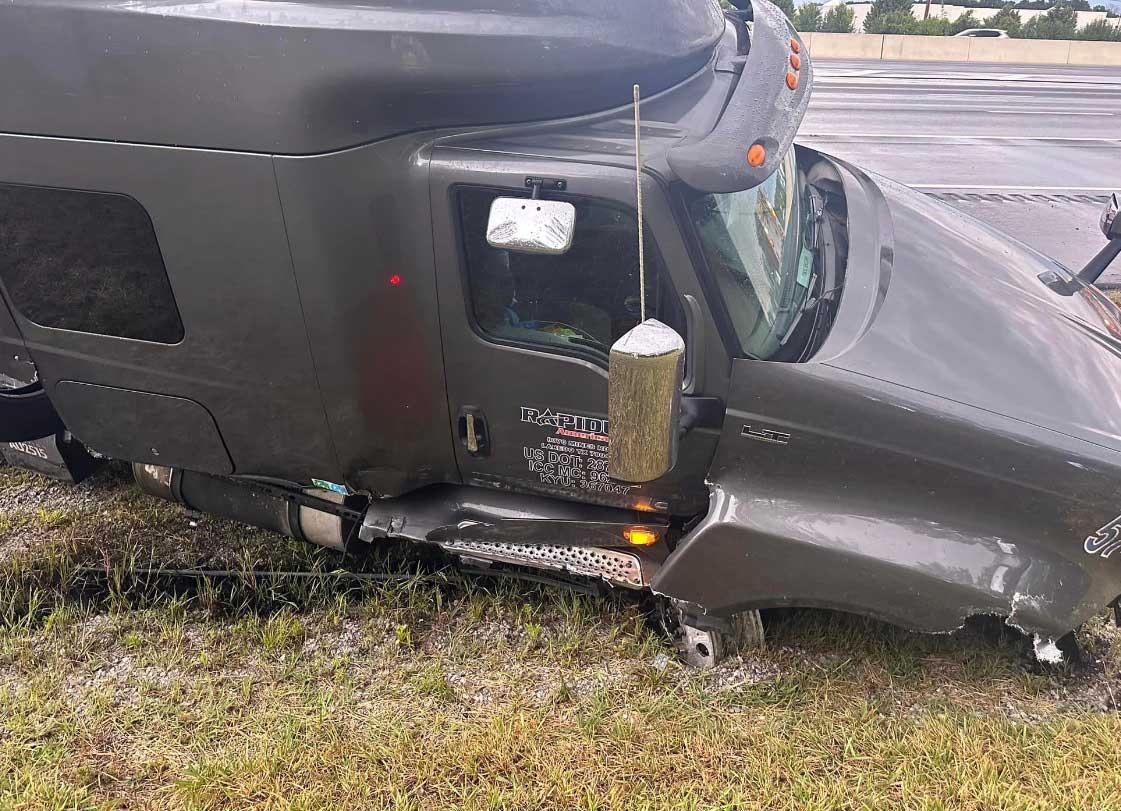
x: 26, y: 412
x: 59, y: 456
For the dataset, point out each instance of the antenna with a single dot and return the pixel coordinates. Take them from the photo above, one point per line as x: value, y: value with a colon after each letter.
x: 638, y: 196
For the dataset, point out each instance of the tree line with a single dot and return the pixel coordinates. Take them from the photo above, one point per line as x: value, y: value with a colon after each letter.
x: 895, y: 17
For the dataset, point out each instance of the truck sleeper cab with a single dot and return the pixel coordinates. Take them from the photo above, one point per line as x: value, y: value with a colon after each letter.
x: 276, y: 296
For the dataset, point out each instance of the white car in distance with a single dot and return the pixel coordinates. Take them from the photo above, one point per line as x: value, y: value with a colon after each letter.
x: 992, y: 33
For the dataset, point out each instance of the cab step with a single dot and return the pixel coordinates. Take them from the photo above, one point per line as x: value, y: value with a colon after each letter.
x: 525, y: 530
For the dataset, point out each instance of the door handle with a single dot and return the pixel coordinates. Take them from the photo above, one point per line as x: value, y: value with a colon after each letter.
x: 474, y: 433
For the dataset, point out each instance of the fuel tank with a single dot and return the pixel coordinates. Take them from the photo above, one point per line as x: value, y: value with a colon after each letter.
x: 306, y: 76
x: 954, y: 448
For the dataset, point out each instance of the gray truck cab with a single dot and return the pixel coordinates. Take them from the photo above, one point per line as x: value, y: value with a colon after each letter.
x: 263, y: 269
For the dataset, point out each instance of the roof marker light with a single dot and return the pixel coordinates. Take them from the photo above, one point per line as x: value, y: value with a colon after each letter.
x: 792, y: 81
x: 795, y: 45
x: 795, y: 61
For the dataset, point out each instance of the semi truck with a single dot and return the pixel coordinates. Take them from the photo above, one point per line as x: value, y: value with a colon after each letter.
x: 366, y: 273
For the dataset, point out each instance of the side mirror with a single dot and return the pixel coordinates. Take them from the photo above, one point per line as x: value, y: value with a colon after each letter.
x: 1111, y: 222
x: 1111, y: 227
x: 531, y: 226
x: 643, y: 402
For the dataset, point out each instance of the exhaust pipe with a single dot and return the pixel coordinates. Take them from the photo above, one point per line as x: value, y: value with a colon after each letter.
x: 229, y: 498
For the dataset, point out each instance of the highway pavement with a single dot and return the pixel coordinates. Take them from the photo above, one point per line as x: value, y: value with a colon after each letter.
x: 1033, y: 149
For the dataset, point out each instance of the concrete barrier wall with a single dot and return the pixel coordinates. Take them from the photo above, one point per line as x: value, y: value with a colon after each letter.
x: 845, y: 46
x: 1036, y: 52
x: 949, y: 49
x: 962, y: 49
x: 1093, y: 53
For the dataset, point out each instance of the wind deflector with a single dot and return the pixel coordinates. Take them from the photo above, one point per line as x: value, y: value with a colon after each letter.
x: 303, y: 77
x: 764, y: 110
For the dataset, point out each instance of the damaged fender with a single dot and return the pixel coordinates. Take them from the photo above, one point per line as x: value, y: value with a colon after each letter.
x: 830, y: 490
x: 953, y: 448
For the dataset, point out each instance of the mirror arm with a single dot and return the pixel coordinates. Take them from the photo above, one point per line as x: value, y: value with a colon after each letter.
x: 700, y: 412
x: 1096, y: 266
x: 694, y: 337
x: 536, y: 184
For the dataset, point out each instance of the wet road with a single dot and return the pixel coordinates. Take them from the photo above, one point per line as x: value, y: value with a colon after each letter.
x: 1032, y: 149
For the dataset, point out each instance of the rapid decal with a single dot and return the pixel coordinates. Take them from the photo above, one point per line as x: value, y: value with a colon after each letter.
x: 1106, y: 540
x: 574, y: 453
x: 576, y: 425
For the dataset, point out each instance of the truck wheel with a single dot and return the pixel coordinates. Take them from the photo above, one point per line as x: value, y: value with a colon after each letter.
x: 705, y: 645
x: 26, y: 413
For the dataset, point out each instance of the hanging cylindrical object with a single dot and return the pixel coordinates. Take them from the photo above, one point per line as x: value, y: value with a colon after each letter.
x: 644, y: 401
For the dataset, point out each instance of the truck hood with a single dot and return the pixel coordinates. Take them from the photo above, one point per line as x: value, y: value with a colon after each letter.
x: 973, y: 316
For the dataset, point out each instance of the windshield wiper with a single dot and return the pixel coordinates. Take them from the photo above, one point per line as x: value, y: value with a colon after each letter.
x: 814, y: 218
x: 808, y: 304
x: 812, y: 242
x: 809, y: 237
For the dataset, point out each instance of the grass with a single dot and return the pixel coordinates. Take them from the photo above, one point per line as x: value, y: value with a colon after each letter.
x: 438, y: 692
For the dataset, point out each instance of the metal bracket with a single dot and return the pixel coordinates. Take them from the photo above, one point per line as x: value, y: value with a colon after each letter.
x: 544, y: 532
x: 706, y: 647
x: 304, y: 500
x: 539, y: 184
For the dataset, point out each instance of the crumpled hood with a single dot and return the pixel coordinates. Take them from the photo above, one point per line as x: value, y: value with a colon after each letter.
x: 973, y: 316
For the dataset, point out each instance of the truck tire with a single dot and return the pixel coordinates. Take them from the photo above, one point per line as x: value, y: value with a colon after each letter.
x: 26, y: 413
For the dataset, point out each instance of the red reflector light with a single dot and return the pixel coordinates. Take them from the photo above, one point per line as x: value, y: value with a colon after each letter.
x: 395, y: 280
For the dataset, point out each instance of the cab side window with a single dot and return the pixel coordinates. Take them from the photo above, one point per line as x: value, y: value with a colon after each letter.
x: 85, y: 261
x: 578, y: 302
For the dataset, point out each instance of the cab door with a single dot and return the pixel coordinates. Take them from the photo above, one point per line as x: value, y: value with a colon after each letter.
x: 526, y: 337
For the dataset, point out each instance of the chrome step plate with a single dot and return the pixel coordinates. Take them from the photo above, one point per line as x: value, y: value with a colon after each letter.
x: 620, y: 568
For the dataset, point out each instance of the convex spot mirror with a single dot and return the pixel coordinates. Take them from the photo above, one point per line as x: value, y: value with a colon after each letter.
x: 531, y: 226
x: 1111, y: 220
x: 644, y: 402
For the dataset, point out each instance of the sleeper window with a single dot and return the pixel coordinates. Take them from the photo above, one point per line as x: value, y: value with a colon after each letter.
x: 85, y: 261
x: 580, y: 301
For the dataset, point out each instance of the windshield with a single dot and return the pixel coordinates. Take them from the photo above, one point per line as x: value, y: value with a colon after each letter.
x: 752, y: 243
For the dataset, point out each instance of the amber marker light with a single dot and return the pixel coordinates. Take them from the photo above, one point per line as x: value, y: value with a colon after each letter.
x: 792, y: 81
x: 795, y: 46
x: 756, y: 156
x: 795, y: 61
x: 640, y: 536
